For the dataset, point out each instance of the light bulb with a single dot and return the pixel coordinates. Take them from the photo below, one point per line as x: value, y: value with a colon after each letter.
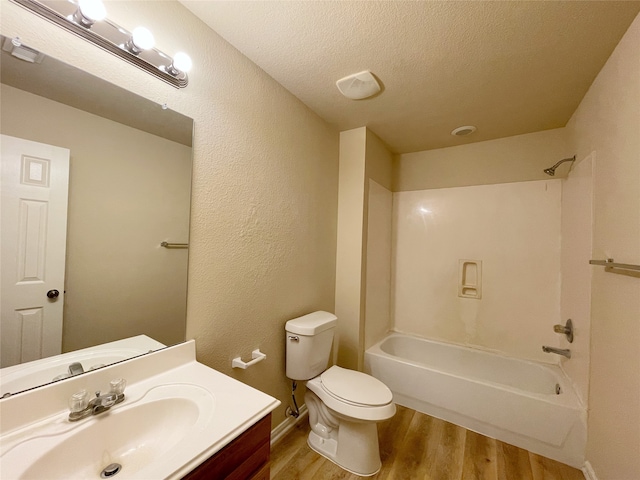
x: 182, y: 62
x: 93, y: 9
x: 142, y: 38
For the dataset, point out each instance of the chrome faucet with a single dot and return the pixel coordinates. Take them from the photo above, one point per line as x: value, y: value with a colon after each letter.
x: 74, y: 369
x: 100, y: 403
x: 80, y: 406
x: 560, y: 351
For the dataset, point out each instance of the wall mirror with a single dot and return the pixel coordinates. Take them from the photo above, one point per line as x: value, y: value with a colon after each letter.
x: 129, y: 190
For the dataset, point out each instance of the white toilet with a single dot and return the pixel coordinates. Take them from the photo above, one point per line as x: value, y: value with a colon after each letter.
x: 344, y: 405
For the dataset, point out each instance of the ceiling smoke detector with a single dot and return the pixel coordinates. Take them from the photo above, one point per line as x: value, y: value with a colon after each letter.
x: 358, y: 86
x: 463, y: 131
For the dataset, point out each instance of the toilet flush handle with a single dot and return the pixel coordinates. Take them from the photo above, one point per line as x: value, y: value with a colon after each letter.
x: 294, y: 338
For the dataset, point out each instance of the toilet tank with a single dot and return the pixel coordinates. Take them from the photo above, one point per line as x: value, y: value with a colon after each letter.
x: 309, y: 340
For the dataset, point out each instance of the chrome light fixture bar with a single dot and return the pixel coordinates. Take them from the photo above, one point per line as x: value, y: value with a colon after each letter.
x: 134, y: 47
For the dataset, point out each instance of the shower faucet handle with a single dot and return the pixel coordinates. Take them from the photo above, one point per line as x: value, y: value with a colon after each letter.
x: 567, y: 330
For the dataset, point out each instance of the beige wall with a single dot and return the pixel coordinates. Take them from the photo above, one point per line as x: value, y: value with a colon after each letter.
x: 121, y: 180
x: 378, y: 263
x: 363, y: 157
x: 506, y: 160
x: 577, y: 228
x: 379, y: 161
x: 378, y: 207
x: 350, y: 273
x: 608, y: 122
x: 263, y: 218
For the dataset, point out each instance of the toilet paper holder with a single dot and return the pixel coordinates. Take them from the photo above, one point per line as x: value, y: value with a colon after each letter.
x: 257, y: 356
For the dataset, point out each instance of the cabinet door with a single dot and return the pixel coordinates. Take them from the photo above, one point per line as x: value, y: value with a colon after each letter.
x: 244, y: 458
x: 263, y: 474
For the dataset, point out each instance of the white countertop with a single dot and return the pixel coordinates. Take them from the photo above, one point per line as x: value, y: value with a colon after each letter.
x: 34, y: 423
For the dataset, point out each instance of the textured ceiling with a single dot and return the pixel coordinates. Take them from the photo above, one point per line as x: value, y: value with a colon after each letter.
x: 508, y: 67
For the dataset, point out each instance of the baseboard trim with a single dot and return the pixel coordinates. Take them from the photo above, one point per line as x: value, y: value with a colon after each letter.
x: 281, y: 430
x: 589, y: 472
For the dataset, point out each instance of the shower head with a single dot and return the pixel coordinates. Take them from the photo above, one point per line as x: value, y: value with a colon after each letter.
x: 551, y: 171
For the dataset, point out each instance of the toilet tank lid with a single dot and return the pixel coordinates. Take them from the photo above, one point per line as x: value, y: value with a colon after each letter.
x: 312, y: 323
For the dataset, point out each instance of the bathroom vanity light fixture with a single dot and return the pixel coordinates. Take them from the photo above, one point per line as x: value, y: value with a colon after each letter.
x: 87, y: 19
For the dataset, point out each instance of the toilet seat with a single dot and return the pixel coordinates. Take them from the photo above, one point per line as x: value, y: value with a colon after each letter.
x: 355, y: 388
x: 338, y: 381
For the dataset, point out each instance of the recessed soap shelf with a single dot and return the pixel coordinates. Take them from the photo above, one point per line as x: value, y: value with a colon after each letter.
x: 470, y: 278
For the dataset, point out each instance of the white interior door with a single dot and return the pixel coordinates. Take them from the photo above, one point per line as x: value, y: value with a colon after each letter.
x: 34, y: 184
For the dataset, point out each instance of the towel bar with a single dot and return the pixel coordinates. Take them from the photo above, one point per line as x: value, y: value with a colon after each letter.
x: 174, y: 245
x: 609, y: 263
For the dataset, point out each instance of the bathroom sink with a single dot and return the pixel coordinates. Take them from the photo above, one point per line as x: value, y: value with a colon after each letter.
x: 176, y: 414
x: 134, y: 436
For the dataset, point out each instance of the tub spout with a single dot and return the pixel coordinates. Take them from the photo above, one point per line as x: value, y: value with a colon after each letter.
x: 559, y: 351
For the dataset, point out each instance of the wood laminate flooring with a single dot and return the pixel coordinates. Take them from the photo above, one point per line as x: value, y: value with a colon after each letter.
x: 416, y: 446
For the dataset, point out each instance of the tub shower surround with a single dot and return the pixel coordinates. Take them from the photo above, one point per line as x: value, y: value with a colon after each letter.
x: 511, y: 231
x: 524, y: 403
x: 476, y: 288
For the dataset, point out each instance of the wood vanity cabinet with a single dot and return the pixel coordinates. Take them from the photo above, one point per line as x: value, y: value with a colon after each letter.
x: 245, y: 458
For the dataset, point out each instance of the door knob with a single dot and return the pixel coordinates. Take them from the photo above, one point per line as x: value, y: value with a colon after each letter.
x: 53, y: 293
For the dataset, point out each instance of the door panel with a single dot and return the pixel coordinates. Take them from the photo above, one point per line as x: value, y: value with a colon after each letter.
x: 34, y: 186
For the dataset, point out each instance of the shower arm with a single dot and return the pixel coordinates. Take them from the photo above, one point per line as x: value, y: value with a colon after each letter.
x: 572, y: 159
x: 552, y: 170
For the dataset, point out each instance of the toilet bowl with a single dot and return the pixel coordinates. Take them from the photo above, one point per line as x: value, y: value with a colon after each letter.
x: 344, y: 405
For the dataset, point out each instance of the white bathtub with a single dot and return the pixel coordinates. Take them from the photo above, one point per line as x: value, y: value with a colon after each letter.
x: 506, y: 398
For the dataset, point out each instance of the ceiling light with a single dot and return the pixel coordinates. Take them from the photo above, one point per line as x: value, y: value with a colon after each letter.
x: 358, y: 85
x: 463, y: 131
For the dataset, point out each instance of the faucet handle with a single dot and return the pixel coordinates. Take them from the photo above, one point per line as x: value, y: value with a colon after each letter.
x: 118, y: 385
x: 78, y: 401
x: 75, y: 368
x: 117, y: 388
x: 567, y: 330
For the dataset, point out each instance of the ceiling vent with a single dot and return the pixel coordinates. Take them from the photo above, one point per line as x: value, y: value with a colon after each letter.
x: 463, y: 131
x: 358, y: 86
